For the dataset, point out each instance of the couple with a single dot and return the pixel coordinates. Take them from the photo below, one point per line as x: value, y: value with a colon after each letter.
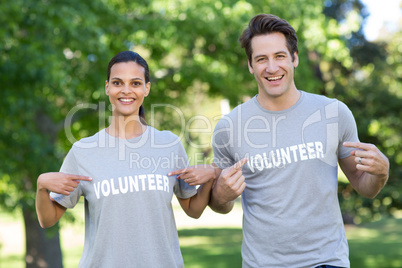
x: 279, y: 151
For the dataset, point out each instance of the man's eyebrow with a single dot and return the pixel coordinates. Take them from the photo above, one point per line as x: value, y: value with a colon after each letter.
x: 259, y: 56
x: 264, y: 56
x: 281, y: 52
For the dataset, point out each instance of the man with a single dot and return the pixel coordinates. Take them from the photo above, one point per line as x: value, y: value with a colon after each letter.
x: 293, y: 141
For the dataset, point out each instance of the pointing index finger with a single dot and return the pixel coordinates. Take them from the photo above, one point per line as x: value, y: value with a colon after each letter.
x: 241, y: 163
x: 233, y: 169
x: 81, y: 178
x: 357, y: 145
x: 176, y: 172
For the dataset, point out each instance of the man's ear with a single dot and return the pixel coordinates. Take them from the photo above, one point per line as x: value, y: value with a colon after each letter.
x: 296, y: 59
x: 250, y: 67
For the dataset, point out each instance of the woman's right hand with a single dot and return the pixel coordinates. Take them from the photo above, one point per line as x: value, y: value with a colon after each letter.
x: 59, y: 182
x: 197, y: 175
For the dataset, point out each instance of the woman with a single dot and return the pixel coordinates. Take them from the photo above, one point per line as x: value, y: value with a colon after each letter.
x: 122, y: 172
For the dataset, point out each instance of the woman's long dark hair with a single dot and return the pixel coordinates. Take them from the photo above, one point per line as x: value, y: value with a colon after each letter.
x: 127, y: 56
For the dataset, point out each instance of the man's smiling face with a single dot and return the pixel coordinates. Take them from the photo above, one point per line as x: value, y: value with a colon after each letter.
x: 272, y: 65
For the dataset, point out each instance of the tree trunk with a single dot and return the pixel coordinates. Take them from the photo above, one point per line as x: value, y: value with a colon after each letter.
x: 42, y: 245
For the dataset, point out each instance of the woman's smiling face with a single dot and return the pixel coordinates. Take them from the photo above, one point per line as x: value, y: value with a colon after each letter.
x: 127, y: 88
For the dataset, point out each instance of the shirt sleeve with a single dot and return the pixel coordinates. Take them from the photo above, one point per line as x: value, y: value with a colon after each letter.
x: 347, y: 130
x: 221, y: 144
x: 182, y: 189
x: 69, y: 166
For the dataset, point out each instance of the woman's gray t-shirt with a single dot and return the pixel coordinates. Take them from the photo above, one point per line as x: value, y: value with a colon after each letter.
x: 129, y: 221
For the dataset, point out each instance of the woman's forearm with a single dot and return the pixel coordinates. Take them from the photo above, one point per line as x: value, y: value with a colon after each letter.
x: 195, y: 205
x: 49, y: 212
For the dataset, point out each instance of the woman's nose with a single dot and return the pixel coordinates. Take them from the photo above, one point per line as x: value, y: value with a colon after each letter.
x: 125, y: 89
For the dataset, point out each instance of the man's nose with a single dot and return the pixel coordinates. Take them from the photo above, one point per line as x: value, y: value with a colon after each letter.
x: 271, y: 67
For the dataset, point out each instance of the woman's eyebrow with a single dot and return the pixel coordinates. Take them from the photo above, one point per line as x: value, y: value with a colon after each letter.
x: 136, y: 78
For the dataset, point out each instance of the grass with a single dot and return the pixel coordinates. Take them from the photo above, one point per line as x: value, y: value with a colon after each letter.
x: 211, y: 247
x: 372, y: 245
x: 377, y: 244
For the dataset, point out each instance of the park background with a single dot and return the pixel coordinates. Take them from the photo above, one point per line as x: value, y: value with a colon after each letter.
x: 53, y: 59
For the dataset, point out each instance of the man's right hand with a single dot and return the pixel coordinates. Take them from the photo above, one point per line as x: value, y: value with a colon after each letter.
x: 229, y: 186
x: 60, y: 183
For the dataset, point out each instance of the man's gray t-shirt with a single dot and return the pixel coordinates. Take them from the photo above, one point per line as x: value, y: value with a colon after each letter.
x: 291, y: 213
x: 129, y: 221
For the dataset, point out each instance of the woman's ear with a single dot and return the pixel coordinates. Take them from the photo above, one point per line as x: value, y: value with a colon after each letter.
x: 147, y: 89
x: 107, y: 88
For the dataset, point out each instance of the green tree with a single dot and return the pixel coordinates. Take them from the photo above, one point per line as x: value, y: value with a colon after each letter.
x: 53, y: 59
x: 50, y: 54
x: 371, y: 87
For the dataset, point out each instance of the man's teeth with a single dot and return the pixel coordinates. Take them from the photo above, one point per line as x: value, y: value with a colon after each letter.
x: 274, y: 78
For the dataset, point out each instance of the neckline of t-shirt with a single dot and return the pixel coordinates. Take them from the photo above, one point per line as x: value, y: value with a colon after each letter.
x: 138, y: 138
x: 302, y: 94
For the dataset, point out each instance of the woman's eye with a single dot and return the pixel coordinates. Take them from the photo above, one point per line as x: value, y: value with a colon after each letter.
x: 136, y: 83
x: 116, y: 83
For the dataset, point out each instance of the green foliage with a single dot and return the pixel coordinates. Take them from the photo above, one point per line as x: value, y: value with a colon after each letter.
x: 54, y: 58
x: 54, y: 54
x: 371, y: 88
x: 45, y: 70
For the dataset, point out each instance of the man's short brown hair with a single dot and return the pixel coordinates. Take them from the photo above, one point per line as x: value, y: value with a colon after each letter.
x: 265, y: 24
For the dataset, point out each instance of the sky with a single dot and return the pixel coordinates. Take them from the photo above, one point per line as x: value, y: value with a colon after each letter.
x: 381, y: 11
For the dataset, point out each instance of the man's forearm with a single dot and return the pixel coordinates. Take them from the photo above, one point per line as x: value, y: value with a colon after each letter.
x: 220, y: 206
x: 370, y: 185
x: 229, y: 186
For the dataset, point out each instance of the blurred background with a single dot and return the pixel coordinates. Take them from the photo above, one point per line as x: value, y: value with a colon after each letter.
x: 53, y: 61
